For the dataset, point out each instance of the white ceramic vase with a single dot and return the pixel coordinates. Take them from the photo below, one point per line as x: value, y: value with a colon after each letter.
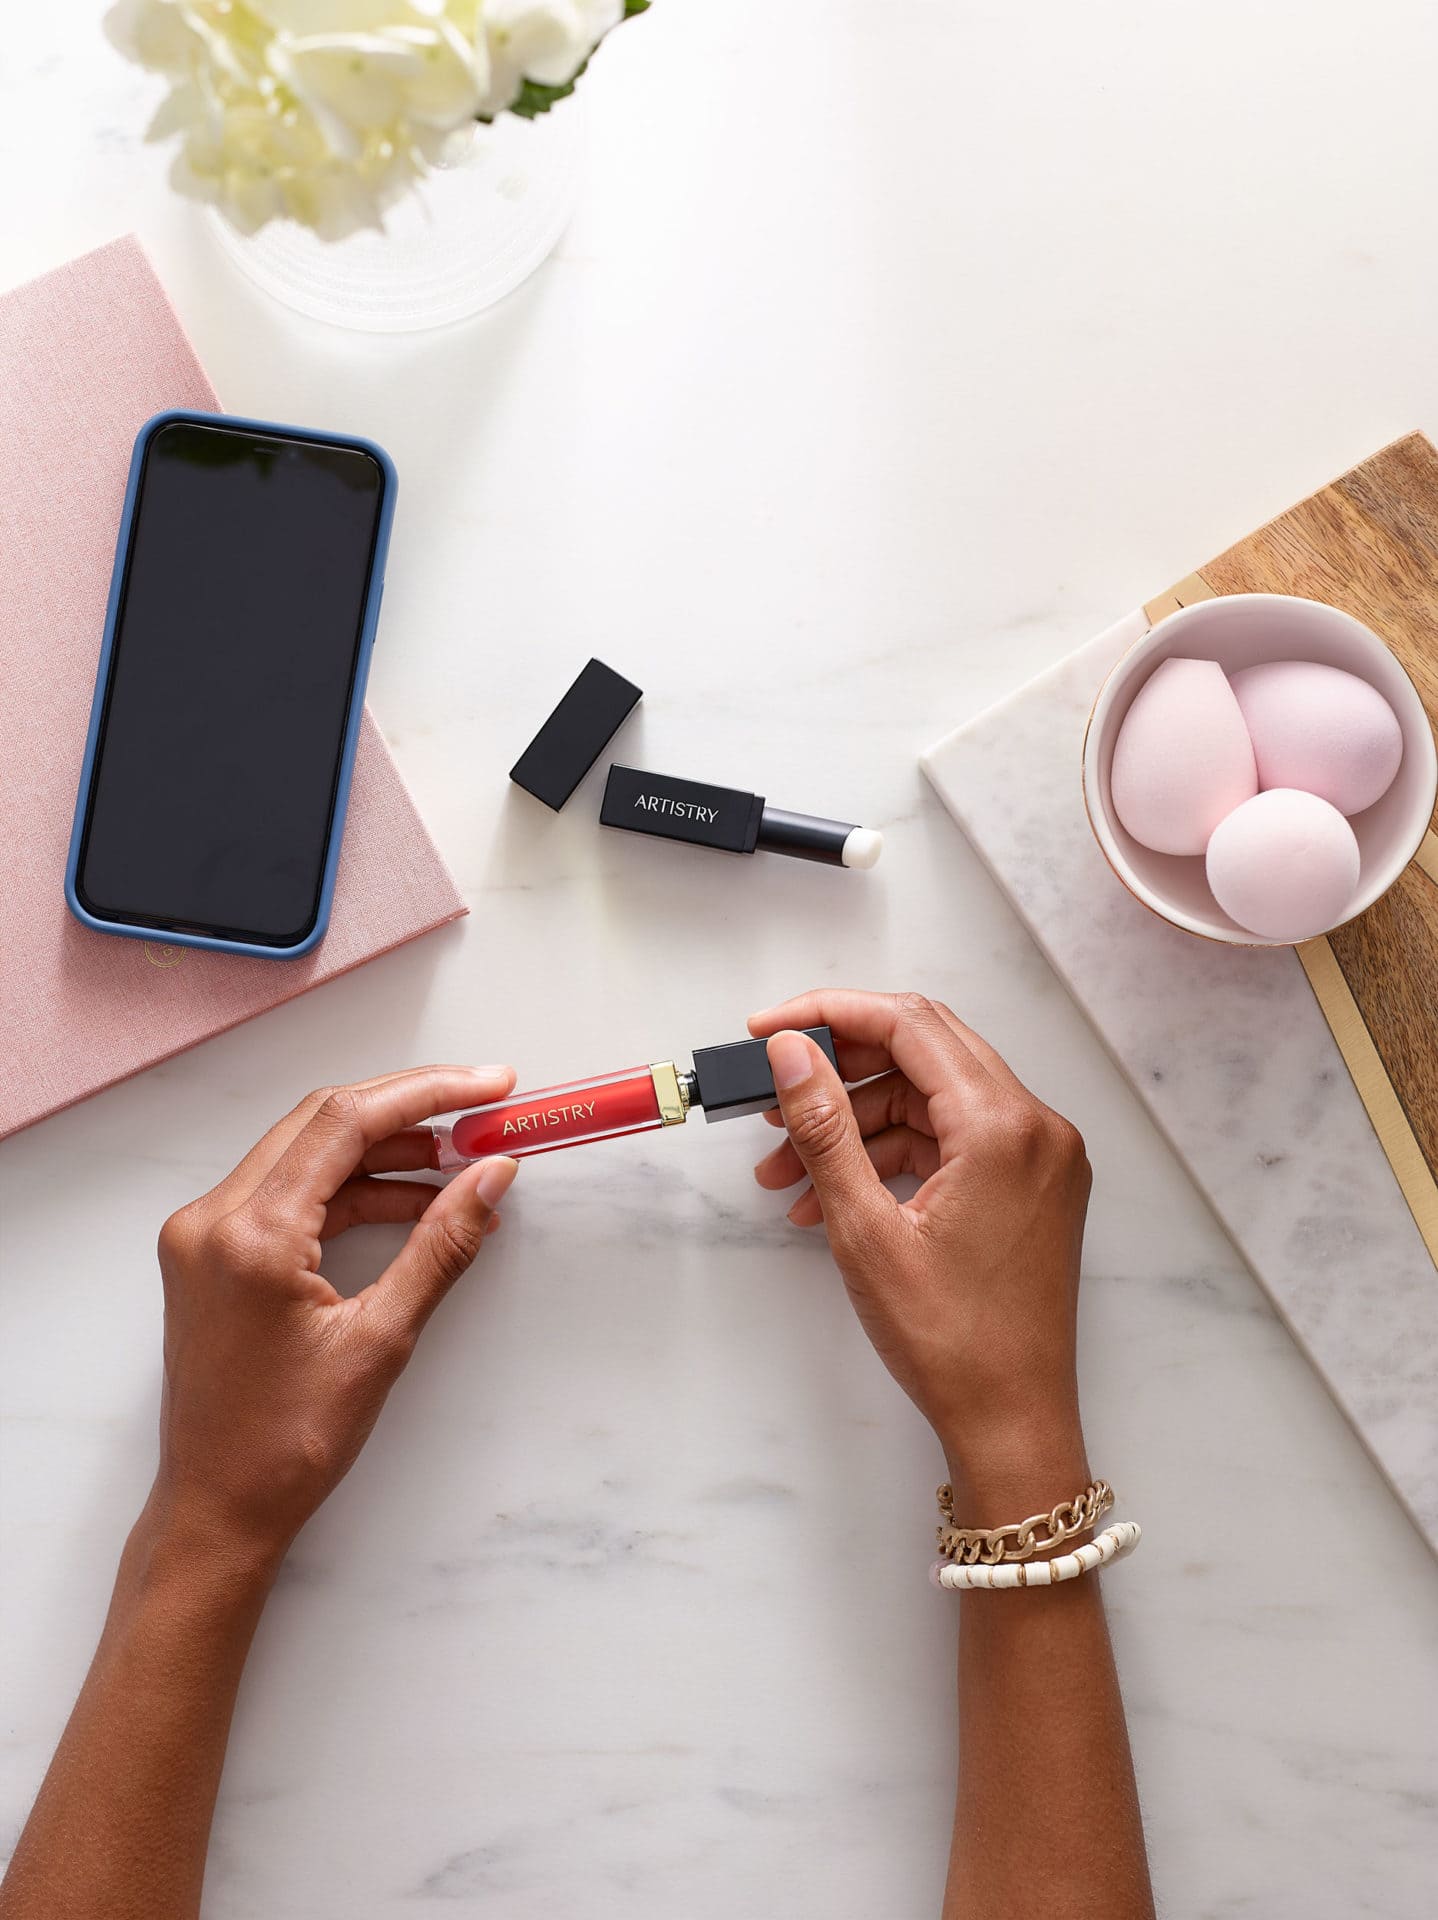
x: 468, y: 235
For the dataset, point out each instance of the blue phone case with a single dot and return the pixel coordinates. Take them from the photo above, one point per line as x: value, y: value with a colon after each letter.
x: 368, y: 629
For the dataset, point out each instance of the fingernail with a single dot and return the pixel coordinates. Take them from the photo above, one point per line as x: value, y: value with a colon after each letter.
x: 496, y: 1177
x: 767, y: 1161
x: 789, y: 1059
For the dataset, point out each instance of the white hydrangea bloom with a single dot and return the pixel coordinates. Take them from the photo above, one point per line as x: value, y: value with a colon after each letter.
x: 326, y: 111
x: 543, y: 40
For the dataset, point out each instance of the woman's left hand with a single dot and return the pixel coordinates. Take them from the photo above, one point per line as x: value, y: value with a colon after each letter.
x: 272, y: 1379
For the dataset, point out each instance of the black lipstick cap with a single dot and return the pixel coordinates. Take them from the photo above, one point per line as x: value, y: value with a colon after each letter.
x: 575, y: 734
x: 735, y: 1080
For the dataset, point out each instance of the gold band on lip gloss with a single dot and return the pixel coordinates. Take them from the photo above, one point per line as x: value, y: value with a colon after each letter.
x: 671, y: 1093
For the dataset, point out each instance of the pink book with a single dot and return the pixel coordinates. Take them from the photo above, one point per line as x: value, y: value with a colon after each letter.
x: 88, y: 353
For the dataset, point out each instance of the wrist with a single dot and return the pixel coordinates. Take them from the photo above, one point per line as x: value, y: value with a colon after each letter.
x: 181, y: 1552
x: 1004, y: 1475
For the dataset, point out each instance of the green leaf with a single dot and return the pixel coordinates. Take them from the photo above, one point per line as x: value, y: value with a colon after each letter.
x: 534, y: 99
x: 631, y: 7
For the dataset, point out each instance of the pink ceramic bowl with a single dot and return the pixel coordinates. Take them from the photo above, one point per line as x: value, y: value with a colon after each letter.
x: 1241, y: 630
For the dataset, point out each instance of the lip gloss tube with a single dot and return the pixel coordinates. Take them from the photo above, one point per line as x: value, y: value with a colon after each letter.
x: 724, y: 1081
x: 639, y: 1101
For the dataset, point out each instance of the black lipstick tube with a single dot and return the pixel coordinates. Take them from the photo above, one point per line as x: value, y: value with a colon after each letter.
x: 730, y: 820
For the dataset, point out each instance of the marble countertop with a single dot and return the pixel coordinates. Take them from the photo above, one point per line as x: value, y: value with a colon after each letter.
x: 892, y: 352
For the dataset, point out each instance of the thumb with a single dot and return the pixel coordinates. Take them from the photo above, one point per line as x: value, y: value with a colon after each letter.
x: 824, y: 1132
x: 444, y: 1242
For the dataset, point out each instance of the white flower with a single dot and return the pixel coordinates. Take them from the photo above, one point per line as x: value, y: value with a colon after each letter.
x: 547, y: 41
x: 327, y: 110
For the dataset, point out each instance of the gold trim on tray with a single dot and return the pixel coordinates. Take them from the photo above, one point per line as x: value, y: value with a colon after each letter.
x: 1375, y: 1089
x: 1185, y: 594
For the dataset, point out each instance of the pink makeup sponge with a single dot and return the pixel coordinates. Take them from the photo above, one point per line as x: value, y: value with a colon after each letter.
x: 1284, y: 864
x: 1182, y: 759
x: 1321, y: 729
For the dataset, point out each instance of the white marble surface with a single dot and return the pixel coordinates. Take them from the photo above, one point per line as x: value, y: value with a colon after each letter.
x: 891, y: 350
x: 1229, y: 1050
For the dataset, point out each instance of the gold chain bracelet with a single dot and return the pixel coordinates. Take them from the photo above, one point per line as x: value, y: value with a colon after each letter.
x: 987, y: 1546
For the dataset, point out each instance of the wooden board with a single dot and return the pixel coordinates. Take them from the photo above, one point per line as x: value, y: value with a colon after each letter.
x: 1369, y: 544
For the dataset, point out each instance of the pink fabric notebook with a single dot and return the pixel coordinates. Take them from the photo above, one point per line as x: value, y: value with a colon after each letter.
x: 86, y: 354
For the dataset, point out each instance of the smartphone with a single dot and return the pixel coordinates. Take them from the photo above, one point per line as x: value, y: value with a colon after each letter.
x: 242, y: 611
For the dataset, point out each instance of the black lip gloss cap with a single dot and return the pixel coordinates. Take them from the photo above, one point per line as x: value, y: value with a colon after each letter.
x: 575, y: 734
x: 734, y: 1080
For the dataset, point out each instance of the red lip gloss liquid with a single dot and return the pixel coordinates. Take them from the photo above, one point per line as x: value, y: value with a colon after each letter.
x: 639, y: 1101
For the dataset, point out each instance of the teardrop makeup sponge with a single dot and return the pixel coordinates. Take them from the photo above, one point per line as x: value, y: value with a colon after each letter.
x: 1321, y: 729
x: 1284, y: 864
x: 1182, y: 759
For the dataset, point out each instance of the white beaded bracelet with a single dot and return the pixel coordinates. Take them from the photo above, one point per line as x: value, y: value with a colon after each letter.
x: 1112, y: 1544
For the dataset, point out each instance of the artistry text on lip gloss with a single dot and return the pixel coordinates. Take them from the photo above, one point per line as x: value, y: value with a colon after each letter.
x: 561, y: 1116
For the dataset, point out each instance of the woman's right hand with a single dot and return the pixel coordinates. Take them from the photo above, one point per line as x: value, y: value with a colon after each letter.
x: 969, y: 1291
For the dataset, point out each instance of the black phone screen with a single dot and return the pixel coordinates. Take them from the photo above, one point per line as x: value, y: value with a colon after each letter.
x: 237, y: 640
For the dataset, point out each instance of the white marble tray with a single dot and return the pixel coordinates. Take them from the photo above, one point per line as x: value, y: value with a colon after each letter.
x: 1230, y: 1053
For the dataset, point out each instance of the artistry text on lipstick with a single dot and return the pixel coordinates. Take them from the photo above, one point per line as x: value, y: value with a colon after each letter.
x: 671, y: 809
x: 730, y: 820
